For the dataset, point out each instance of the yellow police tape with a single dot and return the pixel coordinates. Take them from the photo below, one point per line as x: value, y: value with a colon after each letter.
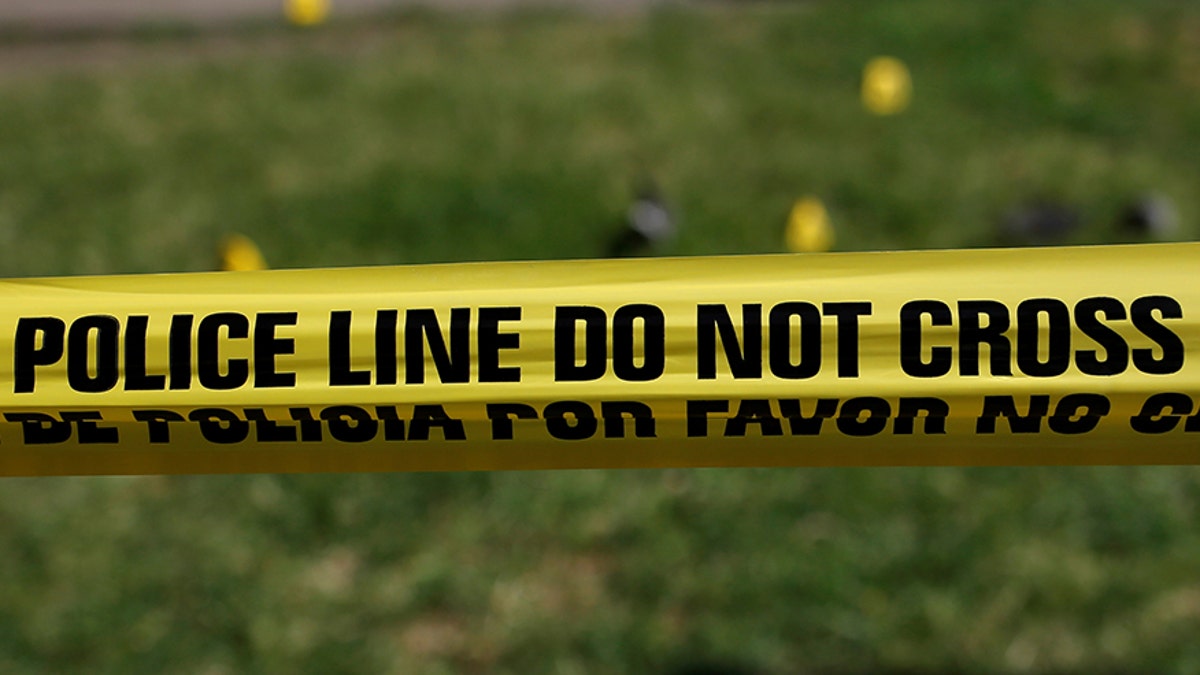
x: 985, y: 357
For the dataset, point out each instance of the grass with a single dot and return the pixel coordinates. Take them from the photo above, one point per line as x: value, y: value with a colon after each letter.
x: 431, y: 137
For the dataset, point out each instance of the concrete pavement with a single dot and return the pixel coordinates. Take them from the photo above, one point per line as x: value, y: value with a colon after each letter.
x: 110, y: 14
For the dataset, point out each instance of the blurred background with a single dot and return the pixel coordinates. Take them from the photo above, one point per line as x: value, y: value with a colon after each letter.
x: 140, y: 135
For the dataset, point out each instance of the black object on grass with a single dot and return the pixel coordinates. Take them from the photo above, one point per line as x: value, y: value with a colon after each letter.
x: 648, y: 226
x: 1149, y: 217
x: 1039, y: 223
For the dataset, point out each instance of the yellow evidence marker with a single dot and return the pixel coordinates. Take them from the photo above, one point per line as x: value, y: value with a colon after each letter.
x: 808, y: 227
x: 306, y: 12
x: 239, y: 254
x: 886, y: 86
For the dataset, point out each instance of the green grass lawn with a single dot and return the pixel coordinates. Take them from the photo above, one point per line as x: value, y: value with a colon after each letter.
x: 428, y: 137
